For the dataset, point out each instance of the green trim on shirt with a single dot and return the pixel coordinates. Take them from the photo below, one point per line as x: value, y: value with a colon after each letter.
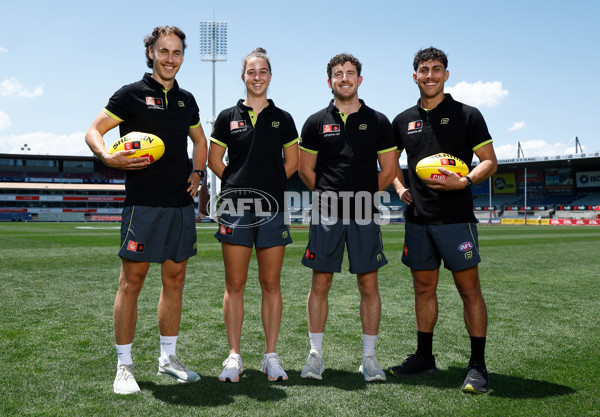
x: 482, y: 144
x: 114, y: 116
x: 286, y: 145
x: 309, y: 150
x: 387, y: 150
x: 218, y: 142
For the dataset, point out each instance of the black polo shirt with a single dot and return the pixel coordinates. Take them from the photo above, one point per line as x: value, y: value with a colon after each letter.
x: 146, y: 106
x: 254, y: 148
x: 347, y: 151
x: 454, y: 128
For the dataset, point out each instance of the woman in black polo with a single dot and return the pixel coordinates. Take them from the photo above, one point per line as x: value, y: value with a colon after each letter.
x: 262, y: 148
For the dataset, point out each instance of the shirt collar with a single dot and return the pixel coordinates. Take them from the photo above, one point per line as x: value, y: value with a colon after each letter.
x: 151, y: 82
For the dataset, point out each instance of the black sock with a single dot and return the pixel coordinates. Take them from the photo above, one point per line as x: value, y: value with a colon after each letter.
x: 477, y: 351
x: 425, y: 344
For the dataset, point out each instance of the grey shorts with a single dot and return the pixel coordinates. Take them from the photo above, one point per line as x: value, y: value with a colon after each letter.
x: 252, y: 230
x: 426, y: 245
x: 155, y: 234
x: 325, y: 249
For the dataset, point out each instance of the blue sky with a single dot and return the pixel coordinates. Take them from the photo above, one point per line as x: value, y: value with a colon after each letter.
x: 529, y: 66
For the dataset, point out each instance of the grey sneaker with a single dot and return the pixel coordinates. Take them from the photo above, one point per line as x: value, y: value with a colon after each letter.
x: 314, y: 366
x: 232, y: 368
x: 177, y: 370
x: 271, y: 365
x: 124, y: 381
x: 477, y: 380
x: 370, y: 368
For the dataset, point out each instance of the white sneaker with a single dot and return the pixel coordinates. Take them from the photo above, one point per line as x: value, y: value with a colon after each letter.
x: 232, y: 369
x: 370, y: 368
x: 177, y: 370
x: 124, y: 381
x: 314, y: 366
x: 271, y: 365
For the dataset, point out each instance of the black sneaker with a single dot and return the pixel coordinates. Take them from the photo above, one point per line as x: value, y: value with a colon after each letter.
x: 415, y: 364
x: 477, y: 381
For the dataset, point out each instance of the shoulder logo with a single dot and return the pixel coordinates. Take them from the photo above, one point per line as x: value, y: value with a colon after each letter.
x: 275, y: 125
x: 362, y: 126
x: 181, y: 103
x: 417, y: 124
x: 445, y: 121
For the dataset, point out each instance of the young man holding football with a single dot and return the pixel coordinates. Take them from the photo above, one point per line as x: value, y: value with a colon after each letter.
x: 158, y: 222
x: 440, y: 223
x: 341, y: 147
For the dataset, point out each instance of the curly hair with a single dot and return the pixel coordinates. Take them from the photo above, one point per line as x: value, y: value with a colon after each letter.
x: 159, y: 31
x: 424, y: 55
x: 341, y: 59
x: 257, y: 53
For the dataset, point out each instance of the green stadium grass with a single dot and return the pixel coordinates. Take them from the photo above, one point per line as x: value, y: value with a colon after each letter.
x: 58, y: 282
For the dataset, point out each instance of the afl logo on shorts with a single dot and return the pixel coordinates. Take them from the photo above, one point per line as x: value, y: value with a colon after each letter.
x: 310, y: 255
x: 465, y: 247
x: 224, y: 230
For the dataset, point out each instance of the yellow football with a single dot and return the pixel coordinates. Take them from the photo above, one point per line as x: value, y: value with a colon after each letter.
x: 146, y: 145
x: 427, y: 168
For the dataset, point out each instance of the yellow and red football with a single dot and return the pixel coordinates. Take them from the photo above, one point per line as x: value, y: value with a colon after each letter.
x: 427, y: 168
x: 146, y: 145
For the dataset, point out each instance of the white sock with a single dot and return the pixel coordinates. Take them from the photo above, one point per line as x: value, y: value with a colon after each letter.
x: 316, y: 341
x: 168, y: 344
x: 369, y: 342
x: 124, y: 354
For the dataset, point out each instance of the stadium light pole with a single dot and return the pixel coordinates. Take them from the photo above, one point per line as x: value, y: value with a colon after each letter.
x: 213, y: 48
x: 25, y: 148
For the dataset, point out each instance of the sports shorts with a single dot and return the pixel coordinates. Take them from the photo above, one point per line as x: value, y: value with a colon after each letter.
x: 326, y: 242
x: 155, y: 234
x: 252, y: 230
x: 425, y: 245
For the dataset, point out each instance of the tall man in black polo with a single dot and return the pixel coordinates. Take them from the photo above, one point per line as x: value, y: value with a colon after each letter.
x: 440, y: 223
x: 341, y: 146
x: 158, y: 222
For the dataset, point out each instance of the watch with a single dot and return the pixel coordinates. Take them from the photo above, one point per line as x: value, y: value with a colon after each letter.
x: 199, y: 172
x: 469, y: 182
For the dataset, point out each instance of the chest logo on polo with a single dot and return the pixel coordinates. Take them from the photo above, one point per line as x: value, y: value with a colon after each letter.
x: 238, y: 126
x: 275, y: 125
x: 331, y: 130
x: 180, y: 103
x: 155, y: 103
x: 415, y: 127
x: 362, y: 126
x: 445, y: 121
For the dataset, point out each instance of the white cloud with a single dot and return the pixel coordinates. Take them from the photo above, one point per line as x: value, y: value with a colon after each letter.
x: 517, y: 126
x: 3, y: 49
x: 12, y: 86
x: 535, y: 148
x: 4, y: 121
x: 46, y: 143
x: 489, y: 94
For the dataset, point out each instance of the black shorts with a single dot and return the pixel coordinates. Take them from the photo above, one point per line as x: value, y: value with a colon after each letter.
x: 425, y: 245
x: 326, y: 242
x: 252, y: 230
x: 155, y: 234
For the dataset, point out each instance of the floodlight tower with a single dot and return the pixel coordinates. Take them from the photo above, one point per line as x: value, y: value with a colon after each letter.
x: 213, y: 48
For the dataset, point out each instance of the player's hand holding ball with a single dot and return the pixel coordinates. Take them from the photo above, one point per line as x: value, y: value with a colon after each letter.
x: 135, y: 150
x: 442, y: 171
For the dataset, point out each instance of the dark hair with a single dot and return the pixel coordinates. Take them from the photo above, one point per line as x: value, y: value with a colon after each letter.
x: 159, y: 31
x: 341, y: 59
x: 257, y: 53
x: 424, y: 55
